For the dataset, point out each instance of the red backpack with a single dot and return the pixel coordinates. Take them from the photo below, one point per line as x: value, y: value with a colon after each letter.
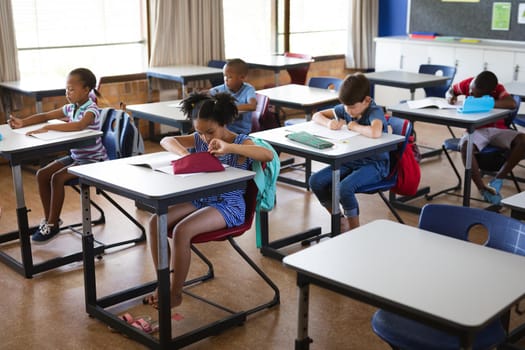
x: 407, y: 167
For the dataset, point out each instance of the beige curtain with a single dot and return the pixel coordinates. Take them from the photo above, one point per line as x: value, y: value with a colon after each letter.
x: 187, y: 32
x: 8, y: 51
x: 362, y: 29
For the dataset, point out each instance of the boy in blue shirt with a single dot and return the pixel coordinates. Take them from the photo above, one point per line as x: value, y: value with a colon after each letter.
x: 235, y: 71
x: 359, y: 113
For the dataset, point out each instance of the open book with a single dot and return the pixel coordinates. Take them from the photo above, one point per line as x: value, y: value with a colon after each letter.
x: 50, y: 134
x: 158, y: 162
x: 436, y: 102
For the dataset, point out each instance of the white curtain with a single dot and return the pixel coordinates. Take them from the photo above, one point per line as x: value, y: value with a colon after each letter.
x: 8, y: 52
x: 187, y: 32
x: 362, y: 29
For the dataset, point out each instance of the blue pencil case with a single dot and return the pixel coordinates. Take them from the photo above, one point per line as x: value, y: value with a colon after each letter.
x: 477, y: 104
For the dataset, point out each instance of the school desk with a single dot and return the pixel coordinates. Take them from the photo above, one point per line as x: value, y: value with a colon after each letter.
x: 302, y: 97
x: 164, y: 112
x: 419, y: 274
x: 19, y: 149
x: 450, y: 117
x: 356, y: 147
x: 516, y: 203
x: 38, y: 88
x: 157, y: 191
x: 406, y: 80
x: 276, y: 63
x: 182, y: 74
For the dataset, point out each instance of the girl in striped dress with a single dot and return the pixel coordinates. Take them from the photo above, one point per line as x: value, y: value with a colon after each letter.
x: 81, y: 113
x: 210, y: 116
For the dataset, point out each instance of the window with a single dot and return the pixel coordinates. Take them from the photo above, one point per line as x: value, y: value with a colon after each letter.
x: 54, y: 37
x: 316, y: 27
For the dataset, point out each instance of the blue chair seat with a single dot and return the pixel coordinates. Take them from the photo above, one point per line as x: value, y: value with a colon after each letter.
x: 393, y: 329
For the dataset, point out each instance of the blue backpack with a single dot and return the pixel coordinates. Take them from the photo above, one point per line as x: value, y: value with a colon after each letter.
x: 266, y: 181
x: 127, y: 140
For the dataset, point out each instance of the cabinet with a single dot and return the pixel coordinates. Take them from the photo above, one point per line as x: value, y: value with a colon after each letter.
x: 505, y: 59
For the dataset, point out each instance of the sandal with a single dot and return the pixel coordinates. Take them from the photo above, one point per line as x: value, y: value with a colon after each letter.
x: 129, y: 319
x: 145, y: 326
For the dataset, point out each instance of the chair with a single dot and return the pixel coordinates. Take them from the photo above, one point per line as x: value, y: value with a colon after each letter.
x: 298, y: 75
x: 399, y: 127
x: 446, y: 71
x: 116, y: 128
x: 504, y: 233
x: 260, y: 110
x: 490, y: 159
x: 216, y: 64
x: 229, y: 234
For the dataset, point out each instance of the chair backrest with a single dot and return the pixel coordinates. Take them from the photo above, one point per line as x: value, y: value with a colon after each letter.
x: 216, y: 64
x: 509, y: 121
x: 325, y: 82
x: 504, y: 233
x: 298, y: 75
x: 446, y: 71
x: 120, y: 137
x: 260, y: 110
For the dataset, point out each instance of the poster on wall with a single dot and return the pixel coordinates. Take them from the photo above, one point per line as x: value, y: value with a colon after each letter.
x: 521, y: 13
x: 501, y: 16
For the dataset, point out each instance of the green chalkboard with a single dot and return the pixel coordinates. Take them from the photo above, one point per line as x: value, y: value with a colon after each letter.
x: 462, y: 19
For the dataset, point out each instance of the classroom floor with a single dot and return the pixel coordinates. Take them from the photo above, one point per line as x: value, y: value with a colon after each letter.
x: 47, y: 311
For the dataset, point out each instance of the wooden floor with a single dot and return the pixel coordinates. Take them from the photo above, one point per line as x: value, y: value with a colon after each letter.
x: 47, y: 311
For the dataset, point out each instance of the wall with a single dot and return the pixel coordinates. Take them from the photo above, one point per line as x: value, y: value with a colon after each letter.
x: 392, y: 17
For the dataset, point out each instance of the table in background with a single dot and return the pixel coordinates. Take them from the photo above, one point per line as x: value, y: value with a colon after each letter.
x: 183, y: 74
x: 165, y: 112
x: 406, y: 80
x: 302, y: 97
x: 450, y: 117
x: 356, y: 147
x: 397, y: 268
x: 37, y: 88
x: 276, y: 63
x: 157, y: 191
x: 18, y: 148
x: 516, y: 203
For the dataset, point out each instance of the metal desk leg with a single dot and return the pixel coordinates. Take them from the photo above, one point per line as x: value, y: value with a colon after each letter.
x: 39, y: 108
x: 303, y: 341
x: 336, y: 213
x: 163, y: 287
x: 23, y: 226
x: 90, y: 289
x: 468, y: 172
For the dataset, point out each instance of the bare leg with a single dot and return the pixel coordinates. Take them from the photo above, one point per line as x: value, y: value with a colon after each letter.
x: 517, y: 153
x: 43, y: 177
x: 58, y: 181
x: 476, y: 174
x: 204, y: 220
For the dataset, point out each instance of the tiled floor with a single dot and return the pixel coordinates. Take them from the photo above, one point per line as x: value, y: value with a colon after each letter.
x: 47, y: 311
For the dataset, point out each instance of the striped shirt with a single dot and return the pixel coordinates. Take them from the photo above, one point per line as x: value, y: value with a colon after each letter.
x: 231, y: 205
x: 96, y: 152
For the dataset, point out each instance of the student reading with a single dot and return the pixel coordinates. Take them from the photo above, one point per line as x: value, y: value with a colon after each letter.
x: 210, y: 116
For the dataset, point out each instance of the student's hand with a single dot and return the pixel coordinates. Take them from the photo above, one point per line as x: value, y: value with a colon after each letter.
x: 218, y: 147
x: 15, y: 122
x: 451, y: 98
x: 37, y: 131
x: 335, y: 124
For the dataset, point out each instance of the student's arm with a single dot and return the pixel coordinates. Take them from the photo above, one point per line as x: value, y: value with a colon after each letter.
x: 179, y: 144
x: 247, y: 149
x: 87, y: 119
x: 505, y: 102
x: 16, y: 122
x: 328, y: 118
x: 248, y: 107
x: 374, y: 130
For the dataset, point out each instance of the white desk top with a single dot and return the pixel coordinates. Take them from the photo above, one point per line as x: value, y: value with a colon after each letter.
x: 353, y: 145
x: 120, y: 174
x: 300, y: 94
x: 403, y: 77
x: 516, y: 88
x: 516, y: 202
x: 164, y: 109
x: 14, y: 142
x: 456, y: 281
x: 183, y: 71
x: 276, y: 61
x: 34, y: 86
